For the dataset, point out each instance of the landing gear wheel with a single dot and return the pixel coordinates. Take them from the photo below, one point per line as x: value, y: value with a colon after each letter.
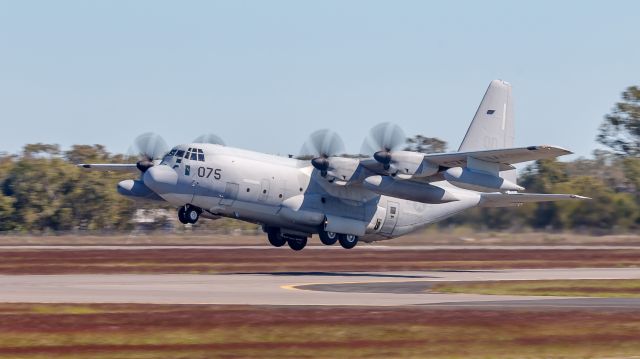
x: 328, y: 238
x: 348, y: 241
x: 297, y: 243
x: 275, y: 238
x: 182, y: 216
x: 192, y: 215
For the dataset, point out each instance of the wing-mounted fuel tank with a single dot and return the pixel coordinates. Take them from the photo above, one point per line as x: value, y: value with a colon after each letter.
x: 409, y: 190
x: 478, y: 181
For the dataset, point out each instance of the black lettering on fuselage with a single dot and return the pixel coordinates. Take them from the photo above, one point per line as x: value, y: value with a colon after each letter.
x: 207, y: 171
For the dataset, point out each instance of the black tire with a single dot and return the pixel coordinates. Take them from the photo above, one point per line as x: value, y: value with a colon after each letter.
x: 328, y: 238
x: 192, y: 215
x: 275, y: 238
x: 182, y: 217
x: 348, y: 241
x: 297, y: 243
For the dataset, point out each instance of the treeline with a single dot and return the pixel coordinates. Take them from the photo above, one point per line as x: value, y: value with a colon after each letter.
x: 42, y: 190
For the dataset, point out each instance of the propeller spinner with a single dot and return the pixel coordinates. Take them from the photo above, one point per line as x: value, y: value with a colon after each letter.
x: 321, y: 145
x: 149, y: 146
x: 382, y: 140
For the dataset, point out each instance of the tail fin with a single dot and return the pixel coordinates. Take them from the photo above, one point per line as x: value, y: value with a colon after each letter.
x: 492, y: 126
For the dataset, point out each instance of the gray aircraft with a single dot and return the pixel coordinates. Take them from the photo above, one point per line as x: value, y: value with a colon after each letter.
x: 342, y: 199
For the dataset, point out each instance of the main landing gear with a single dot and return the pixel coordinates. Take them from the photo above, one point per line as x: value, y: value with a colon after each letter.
x: 277, y: 239
x: 188, y: 214
x: 347, y: 241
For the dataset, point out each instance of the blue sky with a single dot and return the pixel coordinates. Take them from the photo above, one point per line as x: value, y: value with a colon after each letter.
x: 265, y: 74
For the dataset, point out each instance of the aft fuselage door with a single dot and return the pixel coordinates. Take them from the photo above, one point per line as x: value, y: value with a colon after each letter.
x: 393, y: 210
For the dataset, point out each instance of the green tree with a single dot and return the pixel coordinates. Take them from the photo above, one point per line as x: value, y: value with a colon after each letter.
x: 620, y: 130
x: 607, y: 210
x: 419, y: 143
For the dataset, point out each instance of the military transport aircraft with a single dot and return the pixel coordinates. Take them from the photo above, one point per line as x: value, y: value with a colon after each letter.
x: 342, y: 199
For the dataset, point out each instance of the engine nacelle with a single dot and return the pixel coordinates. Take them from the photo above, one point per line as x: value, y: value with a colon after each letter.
x: 478, y: 181
x: 137, y: 190
x: 406, y: 164
x: 338, y: 169
x: 413, y: 191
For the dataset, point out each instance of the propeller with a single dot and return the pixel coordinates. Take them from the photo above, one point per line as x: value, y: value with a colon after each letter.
x: 321, y: 145
x: 209, y: 138
x: 382, y: 140
x: 149, y: 147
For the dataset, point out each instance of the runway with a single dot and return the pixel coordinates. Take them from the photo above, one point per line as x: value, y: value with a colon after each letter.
x: 363, y: 246
x: 301, y: 288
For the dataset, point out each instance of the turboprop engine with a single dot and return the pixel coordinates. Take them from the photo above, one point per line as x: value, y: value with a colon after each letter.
x: 405, y: 164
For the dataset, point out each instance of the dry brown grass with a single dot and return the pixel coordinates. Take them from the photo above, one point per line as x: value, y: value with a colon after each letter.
x: 457, y: 236
x: 248, y: 260
x: 174, y: 331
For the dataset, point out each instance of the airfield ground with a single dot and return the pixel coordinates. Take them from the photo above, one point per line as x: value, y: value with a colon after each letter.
x: 567, y: 328
x: 265, y: 259
x: 159, y: 331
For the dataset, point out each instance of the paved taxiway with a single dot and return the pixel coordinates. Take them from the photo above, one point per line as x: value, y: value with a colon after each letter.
x: 299, y: 288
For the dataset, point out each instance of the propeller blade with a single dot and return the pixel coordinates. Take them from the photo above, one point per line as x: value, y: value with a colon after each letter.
x: 150, y: 146
x: 323, y: 143
x: 209, y: 138
x: 385, y: 137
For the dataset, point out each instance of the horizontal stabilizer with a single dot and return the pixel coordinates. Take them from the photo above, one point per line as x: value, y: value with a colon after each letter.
x: 503, y: 156
x: 109, y: 166
x: 514, y: 199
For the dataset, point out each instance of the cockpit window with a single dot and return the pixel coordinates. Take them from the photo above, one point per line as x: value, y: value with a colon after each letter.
x: 172, y: 152
x: 200, y: 155
x: 179, y: 153
x: 188, y: 153
x: 194, y: 155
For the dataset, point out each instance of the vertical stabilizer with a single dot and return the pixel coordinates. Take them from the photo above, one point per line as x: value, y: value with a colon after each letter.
x: 492, y: 126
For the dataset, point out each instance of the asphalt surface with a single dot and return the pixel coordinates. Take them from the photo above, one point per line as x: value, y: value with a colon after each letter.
x: 320, y: 247
x: 302, y: 288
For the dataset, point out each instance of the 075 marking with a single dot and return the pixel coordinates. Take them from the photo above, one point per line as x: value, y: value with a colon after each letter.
x: 206, y: 172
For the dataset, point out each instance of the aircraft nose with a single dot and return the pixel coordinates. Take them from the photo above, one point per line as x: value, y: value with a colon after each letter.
x: 161, y: 179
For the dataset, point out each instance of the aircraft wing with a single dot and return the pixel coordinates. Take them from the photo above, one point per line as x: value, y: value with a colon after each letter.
x: 505, y: 156
x: 514, y: 199
x: 130, y: 167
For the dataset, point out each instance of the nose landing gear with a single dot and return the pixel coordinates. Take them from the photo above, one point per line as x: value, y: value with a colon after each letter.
x: 188, y: 214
